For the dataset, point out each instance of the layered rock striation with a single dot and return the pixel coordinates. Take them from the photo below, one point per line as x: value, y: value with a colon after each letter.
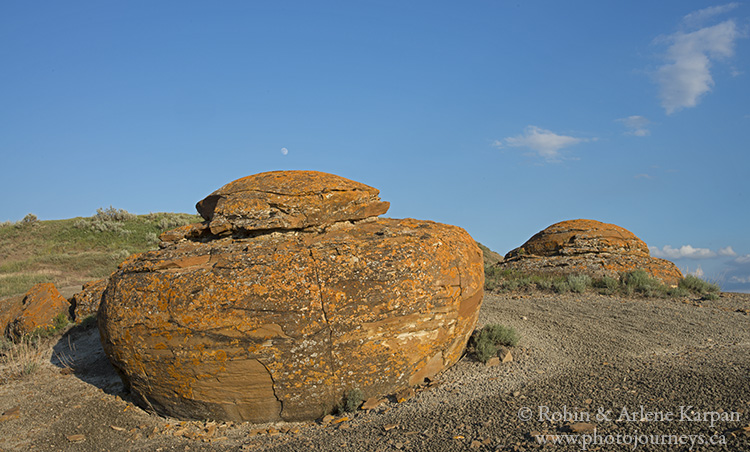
x: 589, y: 247
x: 290, y: 295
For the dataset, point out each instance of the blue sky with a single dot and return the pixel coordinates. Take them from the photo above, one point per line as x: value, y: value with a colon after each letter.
x: 500, y: 117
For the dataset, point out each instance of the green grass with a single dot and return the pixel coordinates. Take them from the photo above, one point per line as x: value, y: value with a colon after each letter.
x: 77, y: 250
x: 58, y: 325
x: 633, y: 283
x: 505, y: 280
x: 485, y: 342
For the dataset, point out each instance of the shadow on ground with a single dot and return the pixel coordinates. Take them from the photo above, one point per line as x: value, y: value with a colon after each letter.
x: 79, y: 352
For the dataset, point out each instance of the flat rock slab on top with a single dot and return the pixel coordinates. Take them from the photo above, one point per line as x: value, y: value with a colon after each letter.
x: 282, y: 200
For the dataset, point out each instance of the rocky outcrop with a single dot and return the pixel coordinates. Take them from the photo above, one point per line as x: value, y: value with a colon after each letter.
x: 37, y: 308
x: 490, y: 257
x: 86, y: 302
x: 590, y: 247
x: 279, y: 323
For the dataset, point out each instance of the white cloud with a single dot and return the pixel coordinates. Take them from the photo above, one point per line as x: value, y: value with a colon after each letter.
x: 284, y: 151
x: 643, y: 176
x: 743, y: 259
x: 636, y: 125
x: 698, y: 18
x: 726, y: 251
x: 544, y: 143
x: 686, y: 74
x: 697, y: 272
x: 740, y: 279
x: 685, y: 251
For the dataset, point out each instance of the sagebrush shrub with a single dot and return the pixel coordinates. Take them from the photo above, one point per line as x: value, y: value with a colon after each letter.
x: 696, y: 285
x: 113, y: 214
x: 353, y: 400
x: 579, y: 283
x: 485, y: 342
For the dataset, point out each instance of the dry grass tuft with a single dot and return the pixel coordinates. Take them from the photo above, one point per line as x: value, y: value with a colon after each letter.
x: 22, y: 358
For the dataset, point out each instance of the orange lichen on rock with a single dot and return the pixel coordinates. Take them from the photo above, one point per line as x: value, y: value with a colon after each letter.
x: 86, y: 302
x: 591, y: 247
x: 279, y: 326
x: 37, y: 308
x: 289, y: 200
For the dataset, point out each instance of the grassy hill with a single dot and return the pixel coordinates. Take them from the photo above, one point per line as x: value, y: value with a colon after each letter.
x: 71, y: 252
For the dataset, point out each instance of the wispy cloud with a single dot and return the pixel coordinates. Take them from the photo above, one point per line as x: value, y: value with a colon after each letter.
x: 685, y: 251
x: 686, y: 73
x: 544, y: 143
x: 726, y: 251
x: 643, y: 176
x: 698, y: 18
x: 690, y: 252
x: 636, y: 125
x: 739, y: 270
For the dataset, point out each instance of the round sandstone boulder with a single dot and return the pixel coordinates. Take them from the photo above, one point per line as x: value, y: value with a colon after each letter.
x: 590, y: 247
x: 282, y: 325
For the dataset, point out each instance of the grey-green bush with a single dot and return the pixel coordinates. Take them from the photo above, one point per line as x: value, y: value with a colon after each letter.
x: 486, y: 341
x: 353, y: 400
x: 699, y: 286
x: 579, y: 283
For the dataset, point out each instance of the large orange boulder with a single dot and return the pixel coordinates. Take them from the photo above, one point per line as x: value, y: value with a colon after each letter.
x: 282, y: 325
x: 36, y: 309
x: 591, y: 247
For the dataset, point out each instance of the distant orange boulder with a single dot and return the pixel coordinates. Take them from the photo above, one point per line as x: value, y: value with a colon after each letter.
x: 591, y: 247
x: 86, y: 302
x: 35, y: 309
x: 302, y: 296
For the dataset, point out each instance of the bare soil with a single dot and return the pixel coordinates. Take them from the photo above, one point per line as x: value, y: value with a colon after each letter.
x: 578, y: 354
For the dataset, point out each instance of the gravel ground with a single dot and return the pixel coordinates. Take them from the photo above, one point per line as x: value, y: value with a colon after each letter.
x: 643, y: 370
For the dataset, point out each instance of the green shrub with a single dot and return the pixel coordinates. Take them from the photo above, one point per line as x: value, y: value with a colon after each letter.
x: 485, y: 342
x: 561, y: 286
x: 639, y: 281
x: 353, y: 400
x: 59, y: 323
x: 608, y: 284
x: 700, y: 287
x: 579, y: 283
x: 112, y: 214
x: 544, y: 283
x: 30, y: 218
x: 152, y: 238
x: 88, y: 322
